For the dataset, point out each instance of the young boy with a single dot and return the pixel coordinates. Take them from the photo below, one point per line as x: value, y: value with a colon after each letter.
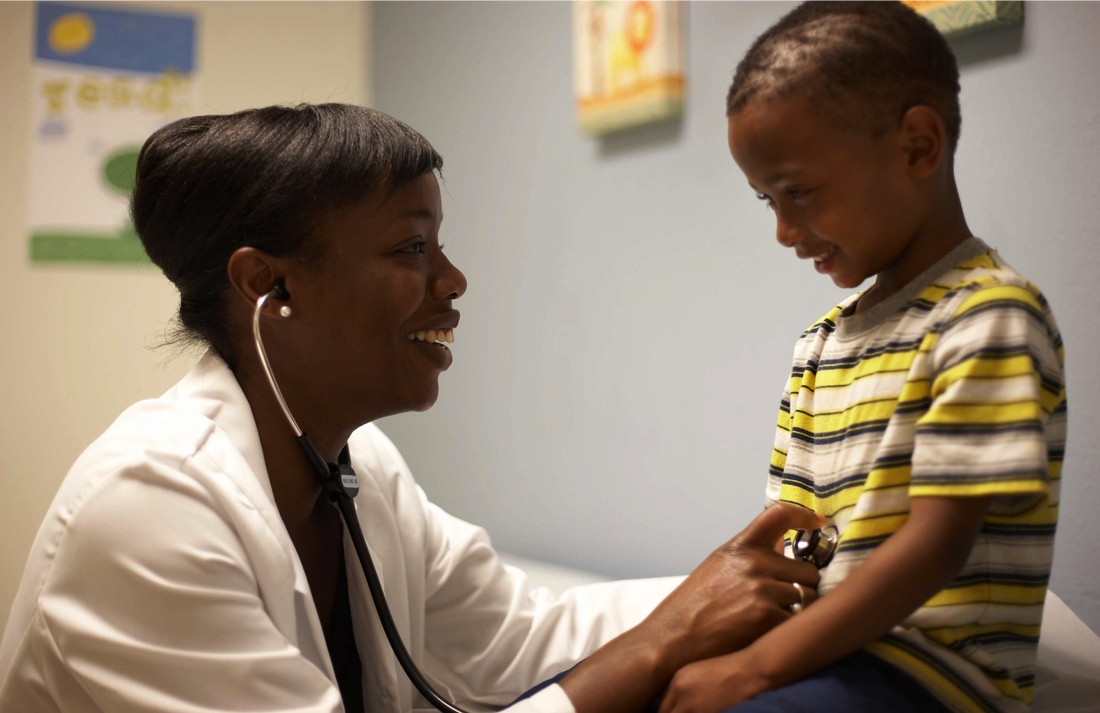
x: 925, y: 416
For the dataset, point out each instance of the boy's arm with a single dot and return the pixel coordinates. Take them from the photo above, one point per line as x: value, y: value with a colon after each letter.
x: 904, y: 572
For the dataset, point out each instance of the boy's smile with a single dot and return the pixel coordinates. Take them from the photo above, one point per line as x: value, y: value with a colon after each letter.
x: 841, y: 197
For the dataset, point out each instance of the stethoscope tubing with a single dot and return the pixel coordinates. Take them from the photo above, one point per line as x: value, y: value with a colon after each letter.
x: 351, y: 520
x: 267, y: 364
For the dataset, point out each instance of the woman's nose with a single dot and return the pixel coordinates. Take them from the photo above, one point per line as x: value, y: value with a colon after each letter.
x: 449, y: 283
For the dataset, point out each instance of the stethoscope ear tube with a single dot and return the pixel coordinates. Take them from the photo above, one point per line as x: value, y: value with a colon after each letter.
x: 340, y: 485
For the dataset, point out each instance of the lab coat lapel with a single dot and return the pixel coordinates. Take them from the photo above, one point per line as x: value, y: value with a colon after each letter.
x: 212, y: 389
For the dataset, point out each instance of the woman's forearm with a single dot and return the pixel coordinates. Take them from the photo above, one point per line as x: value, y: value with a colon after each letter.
x: 624, y: 675
x: 740, y: 591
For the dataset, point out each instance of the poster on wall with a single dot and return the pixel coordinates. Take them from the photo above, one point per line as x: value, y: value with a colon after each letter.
x: 958, y: 18
x: 103, y: 80
x: 628, y: 63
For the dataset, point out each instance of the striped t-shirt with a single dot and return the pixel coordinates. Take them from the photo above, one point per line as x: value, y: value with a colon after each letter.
x: 952, y: 387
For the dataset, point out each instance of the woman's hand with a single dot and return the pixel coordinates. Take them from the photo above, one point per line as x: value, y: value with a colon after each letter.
x: 714, y: 685
x: 741, y: 591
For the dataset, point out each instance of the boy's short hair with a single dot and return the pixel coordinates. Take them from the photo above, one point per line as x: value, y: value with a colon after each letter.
x: 864, y: 64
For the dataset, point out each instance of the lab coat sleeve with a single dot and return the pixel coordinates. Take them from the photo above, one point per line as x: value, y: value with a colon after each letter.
x: 492, y: 636
x: 486, y: 635
x: 152, y: 605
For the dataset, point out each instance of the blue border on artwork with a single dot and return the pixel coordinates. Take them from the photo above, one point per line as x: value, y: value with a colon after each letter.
x: 135, y: 41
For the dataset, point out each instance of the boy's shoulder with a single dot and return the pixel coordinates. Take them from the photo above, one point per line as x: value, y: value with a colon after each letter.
x: 985, y: 280
x: 978, y: 275
x: 986, y: 269
x: 828, y: 322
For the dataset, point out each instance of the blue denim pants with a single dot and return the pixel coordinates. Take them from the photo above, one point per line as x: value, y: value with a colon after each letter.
x: 859, y: 683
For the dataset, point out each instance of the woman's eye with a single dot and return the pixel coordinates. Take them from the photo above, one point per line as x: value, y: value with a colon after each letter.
x: 416, y: 249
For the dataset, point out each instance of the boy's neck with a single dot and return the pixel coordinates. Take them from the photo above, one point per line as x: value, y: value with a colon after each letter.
x: 943, y: 231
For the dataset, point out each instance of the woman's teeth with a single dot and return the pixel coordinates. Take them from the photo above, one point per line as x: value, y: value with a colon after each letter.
x: 826, y: 256
x: 434, y: 336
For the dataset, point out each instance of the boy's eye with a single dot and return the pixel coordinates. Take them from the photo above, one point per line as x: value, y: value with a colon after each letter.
x: 766, y: 198
x: 796, y: 193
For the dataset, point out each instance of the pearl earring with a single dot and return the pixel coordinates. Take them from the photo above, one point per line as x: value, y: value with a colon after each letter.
x: 284, y: 311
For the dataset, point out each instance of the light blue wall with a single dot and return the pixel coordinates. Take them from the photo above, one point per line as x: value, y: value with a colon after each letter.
x: 630, y: 318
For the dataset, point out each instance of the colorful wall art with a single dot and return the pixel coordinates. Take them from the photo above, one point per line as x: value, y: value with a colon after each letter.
x: 628, y: 63
x: 957, y: 19
x: 103, y: 81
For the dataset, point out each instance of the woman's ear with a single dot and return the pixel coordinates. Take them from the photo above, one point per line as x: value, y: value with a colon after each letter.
x: 924, y: 141
x: 253, y: 273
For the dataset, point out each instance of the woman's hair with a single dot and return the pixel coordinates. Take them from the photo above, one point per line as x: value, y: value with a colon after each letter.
x: 265, y: 178
x: 863, y: 64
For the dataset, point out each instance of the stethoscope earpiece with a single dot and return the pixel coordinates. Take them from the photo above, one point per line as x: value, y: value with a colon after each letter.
x: 278, y: 291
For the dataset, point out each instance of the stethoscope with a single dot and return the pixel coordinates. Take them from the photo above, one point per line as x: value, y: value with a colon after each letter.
x: 340, y: 485
x: 816, y: 546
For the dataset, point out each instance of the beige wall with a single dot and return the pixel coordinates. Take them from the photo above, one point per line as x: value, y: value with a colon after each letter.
x: 74, y: 341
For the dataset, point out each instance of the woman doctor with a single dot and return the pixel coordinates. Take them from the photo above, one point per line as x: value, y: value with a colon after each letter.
x: 190, y: 563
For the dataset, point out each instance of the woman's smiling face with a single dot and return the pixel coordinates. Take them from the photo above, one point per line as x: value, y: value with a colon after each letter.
x: 381, y: 279
x: 840, y: 197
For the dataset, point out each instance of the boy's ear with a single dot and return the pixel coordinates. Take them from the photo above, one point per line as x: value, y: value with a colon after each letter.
x: 924, y: 141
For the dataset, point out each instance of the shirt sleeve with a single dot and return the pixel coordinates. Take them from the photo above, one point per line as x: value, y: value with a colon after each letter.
x: 779, y: 449
x: 996, y: 378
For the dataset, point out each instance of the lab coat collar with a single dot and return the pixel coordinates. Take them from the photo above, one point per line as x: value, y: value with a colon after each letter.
x: 211, y: 388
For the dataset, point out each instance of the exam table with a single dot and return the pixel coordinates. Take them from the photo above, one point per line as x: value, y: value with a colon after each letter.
x: 1068, y: 675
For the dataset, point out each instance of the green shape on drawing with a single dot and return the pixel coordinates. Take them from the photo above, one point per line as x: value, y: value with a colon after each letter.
x: 88, y: 247
x: 120, y: 169
x: 105, y: 246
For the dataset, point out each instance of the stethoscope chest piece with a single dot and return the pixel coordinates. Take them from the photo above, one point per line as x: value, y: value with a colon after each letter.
x: 816, y: 546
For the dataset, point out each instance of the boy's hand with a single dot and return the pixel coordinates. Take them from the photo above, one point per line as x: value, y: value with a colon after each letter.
x: 714, y: 685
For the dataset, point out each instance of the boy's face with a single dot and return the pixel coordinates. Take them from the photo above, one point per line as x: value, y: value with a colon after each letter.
x: 842, y: 198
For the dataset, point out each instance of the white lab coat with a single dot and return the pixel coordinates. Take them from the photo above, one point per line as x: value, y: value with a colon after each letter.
x: 163, y: 579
